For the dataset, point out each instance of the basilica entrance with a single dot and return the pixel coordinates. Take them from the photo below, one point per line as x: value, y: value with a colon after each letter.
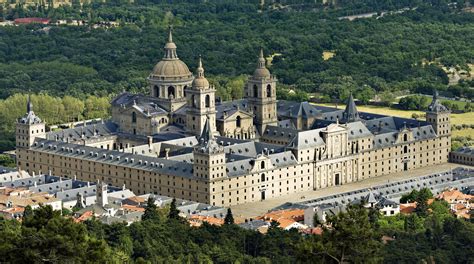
x: 337, y: 179
x: 262, y: 195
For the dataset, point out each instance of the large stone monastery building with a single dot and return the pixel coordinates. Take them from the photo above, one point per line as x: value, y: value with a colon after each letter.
x: 180, y: 141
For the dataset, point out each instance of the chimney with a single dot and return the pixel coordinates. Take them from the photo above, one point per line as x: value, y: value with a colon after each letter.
x: 167, y: 153
x: 150, y: 140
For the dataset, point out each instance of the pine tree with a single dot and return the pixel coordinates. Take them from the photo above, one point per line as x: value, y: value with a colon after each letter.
x: 229, y: 218
x: 174, y: 212
x: 151, y: 212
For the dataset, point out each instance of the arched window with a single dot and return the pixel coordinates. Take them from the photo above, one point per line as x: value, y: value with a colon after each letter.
x: 184, y: 90
x: 262, y: 178
x: 238, y: 121
x: 255, y: 91
x: 405, y: 149
x: 262, y: 165
x: 405, y: 137
x: 269, y: 90
x: 171, y: 92
x: 193, y: 100
x: 208, y: 101
x: 134, y: 117
x: 156, y: 91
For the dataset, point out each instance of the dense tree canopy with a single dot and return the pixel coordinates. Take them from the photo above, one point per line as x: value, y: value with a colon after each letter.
x: 351, y: 237
x: 395, y: 52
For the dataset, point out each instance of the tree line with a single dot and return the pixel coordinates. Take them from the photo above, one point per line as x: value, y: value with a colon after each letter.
x: 429, y: 234
x: 51, y: 109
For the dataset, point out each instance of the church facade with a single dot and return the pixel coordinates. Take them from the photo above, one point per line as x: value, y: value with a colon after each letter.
x: 180, y: 141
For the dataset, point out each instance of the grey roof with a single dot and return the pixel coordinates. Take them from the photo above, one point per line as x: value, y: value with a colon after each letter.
x: 423, y: 132
x: 297, y: 109
x: 286, y: 124
x: 4, y: 169
x: 29, y: 117
x: 144, y: 104
x: 254, y: 224
x: 385, y: 140
x: 336, y: 114
x: 280, y: 133
x: 129, y: 217
x: 350, y: 113
x: 370, y: 198
x: 252, y: 148
x: 94, y: 130
x: 159, y: 165
x: 469, y: 151
x: 283, y: 159
x: 230, y: 107
x: 307, y: 139
x: 392, y: 191
x: 357, y: 130
x: 239, y: 167
x: 436, y: 105
x: 207, y: 142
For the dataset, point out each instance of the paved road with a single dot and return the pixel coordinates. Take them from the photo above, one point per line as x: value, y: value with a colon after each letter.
x: 249, y: 210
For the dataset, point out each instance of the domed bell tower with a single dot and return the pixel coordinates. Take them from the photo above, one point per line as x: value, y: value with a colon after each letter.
x: 261, y: 95
x: 201, y: 104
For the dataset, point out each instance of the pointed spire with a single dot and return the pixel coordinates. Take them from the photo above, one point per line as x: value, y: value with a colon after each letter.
x: 206, y: 134
x: 29, y: 105
x: 200, y: 82
x: 200, y: 69
x: 170, y: 47
x: 261, y: 60
x: 436, y: 105
x: 350, y: 113
x: 170, y: 34
x: 261, y: 71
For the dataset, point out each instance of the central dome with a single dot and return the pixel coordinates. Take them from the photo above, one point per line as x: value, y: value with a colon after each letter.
x: 171, y: 68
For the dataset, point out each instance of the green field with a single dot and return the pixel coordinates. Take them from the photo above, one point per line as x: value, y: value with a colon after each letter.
x: 463, y: 133
x: 456, y: 119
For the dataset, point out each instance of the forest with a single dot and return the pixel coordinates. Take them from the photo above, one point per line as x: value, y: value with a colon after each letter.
x: 431, y: 233
x: 392, y: 53
x: 376, y: 56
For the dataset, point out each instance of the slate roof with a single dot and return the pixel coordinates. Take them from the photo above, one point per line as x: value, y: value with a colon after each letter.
x: 254, y: 224
x: 280, y: 133
x: 145, y: 105
x: 350, y: 114
x: 307, y: 139
x: 436, y: 106
x: 29, y: 117
x: 159, y: 165
x: 94, y: 130
x: 297, y: 109
x: 231, y: 107
x: 465, y: 151
x: 286, y: 124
